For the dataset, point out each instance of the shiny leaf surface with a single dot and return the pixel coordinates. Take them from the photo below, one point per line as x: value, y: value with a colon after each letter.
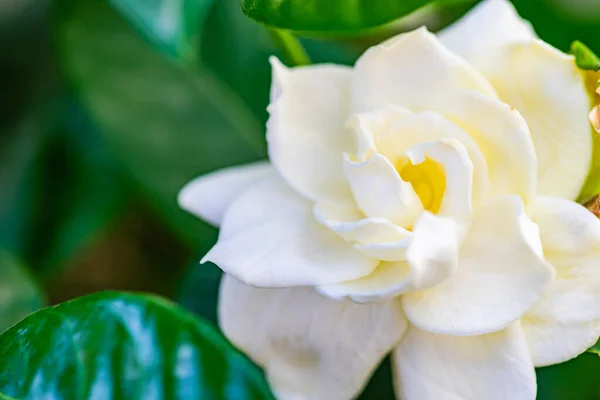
x: 19, y: 293
x: 122, y: 346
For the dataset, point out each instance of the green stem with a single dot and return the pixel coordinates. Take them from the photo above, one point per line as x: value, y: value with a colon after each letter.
x: 293, y: 52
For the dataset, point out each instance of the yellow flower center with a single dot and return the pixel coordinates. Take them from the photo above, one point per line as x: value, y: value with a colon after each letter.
x: 427, y: 179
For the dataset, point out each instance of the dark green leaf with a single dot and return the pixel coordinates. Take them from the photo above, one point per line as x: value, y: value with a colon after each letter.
x: 584, y: 57
x: 19, y: 293
x: 595, y: 348
x: 328, y: 15
x: 122, y: 346
x: 575, y: 379
x: 164, y: 125
x: 174, y: 26
x: 199, y: 290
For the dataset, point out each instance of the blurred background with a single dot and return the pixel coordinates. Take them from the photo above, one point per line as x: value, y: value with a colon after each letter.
x: 104, y: 117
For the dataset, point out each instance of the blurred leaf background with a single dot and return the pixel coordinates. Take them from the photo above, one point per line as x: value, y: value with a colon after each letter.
x: 108, y: 107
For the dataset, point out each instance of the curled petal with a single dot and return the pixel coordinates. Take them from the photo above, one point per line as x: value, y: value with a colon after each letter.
x: 311, y: 347
x: 500, y: 275
x: 269, y: 238
x: 380, y: 192
x: 458, y: 174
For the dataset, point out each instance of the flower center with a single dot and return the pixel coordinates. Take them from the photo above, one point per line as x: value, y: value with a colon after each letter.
x: 427, y: 179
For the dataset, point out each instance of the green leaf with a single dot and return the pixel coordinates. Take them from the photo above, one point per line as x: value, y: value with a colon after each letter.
x: 338, y: 16
x: 584, y: 57
x: 165, y: 126
x: 122, y: 346
x: 574, y: 379
x: 20, y: 294
x: 595, y: 348
x: 174, y: 26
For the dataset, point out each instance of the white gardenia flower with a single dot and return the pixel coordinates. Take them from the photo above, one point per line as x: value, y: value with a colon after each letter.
x: 420, y: 203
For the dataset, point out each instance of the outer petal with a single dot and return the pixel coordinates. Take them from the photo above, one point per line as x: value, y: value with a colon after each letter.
x: 209, y: 196
x: 566, y: 320
x: 490, y: 25
x: 380, y: 192
x: 495, y: 366
x: 269, y: 238
x: 311, y: 347
x: 500, y: 275
x: 547, y: 88
x: 502, y: 136
x: 411, y: 70
x: 306, y: 134
x: 422, y: 260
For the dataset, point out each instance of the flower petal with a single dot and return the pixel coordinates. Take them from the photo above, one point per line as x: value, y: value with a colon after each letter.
x: 452, y: 156
x: 388, y: 280
x: 360, y: 230
x: 428, y: 126
x: 209, y: 196
x: 425, y: 258
x: 311, y: 347
x: 306, y: 133
x: 503, y: 137
x: 495, y: 366
x: 380, y: 192
x: 269, y: 238
x: 488, y: 26
x: 566, y: 320
x: 548, y: 90
x: 411, y: 70
x: 500, y: 275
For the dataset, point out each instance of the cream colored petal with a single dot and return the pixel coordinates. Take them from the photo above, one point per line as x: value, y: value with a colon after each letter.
x: 566, y: 320
x: 305, y: 131
x: 389, y: 279
x: 269, y: 238
x: 311, y: 347
x: 424, y: 259
x: 548, y: 90
x: 500, y: 275
x: 452, y: 156
x: 503, y: 137
x: 495, y: 366
x: 411, y: 70
x: 488, y: 26
x: 380, y: 192
x: 430, y: 126
x: 209, y: 196
x: 357, y: 229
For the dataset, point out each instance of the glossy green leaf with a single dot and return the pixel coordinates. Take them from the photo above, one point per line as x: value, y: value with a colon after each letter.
x: 584, y: 57
x: 174, y: 26
x: 575, y: 379
x: 328, y: 15
x: 122, y: 346
x: 20, y: 294
x: 164, y: 125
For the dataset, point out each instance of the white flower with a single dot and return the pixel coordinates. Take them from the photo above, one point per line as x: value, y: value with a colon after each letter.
x: 420, y: 203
